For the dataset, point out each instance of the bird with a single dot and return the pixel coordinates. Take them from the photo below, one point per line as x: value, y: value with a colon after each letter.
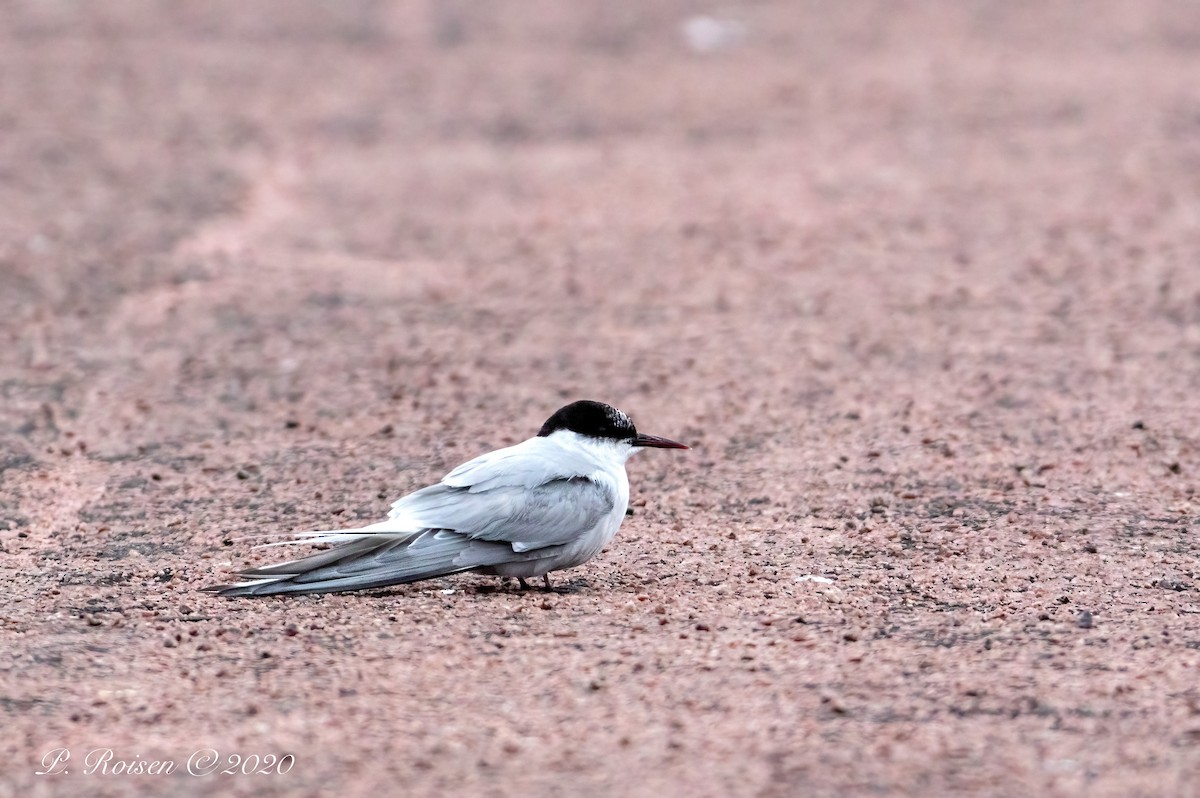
x: 546, y: 504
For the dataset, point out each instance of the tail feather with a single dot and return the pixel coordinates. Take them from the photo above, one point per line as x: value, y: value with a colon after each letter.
x: 343, y: 552
x: 370, y: 560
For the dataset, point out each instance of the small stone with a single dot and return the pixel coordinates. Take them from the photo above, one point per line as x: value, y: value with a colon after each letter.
x: 1084, y: 620
x: 834, y: 705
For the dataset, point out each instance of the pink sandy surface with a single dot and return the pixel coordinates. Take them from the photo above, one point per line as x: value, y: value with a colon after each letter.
x: 919, y: 281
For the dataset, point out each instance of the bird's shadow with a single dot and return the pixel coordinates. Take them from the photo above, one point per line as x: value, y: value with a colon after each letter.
x: 503, y: 585
x: 564, y: 588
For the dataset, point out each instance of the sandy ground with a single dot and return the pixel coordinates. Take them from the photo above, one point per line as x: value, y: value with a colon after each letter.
x: 919, y: 281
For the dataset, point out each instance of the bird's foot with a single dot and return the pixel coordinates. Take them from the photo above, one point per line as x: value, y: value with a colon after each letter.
x: 546, y: 586
x: 561, y: 589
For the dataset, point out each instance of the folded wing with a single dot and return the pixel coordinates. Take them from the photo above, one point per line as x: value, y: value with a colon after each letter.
x: 550, y: 514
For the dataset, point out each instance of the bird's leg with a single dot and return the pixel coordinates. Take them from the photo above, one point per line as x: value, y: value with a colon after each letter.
x: 546, y: 581
x: 524, y: 584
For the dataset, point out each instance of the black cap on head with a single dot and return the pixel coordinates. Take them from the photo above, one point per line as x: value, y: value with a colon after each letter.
x: 594, y: 419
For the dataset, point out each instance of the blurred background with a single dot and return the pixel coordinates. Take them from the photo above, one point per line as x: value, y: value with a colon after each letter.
x: 586, y: 192
x: 400, y: 212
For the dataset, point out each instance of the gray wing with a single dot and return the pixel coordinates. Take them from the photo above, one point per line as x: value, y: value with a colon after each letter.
x: 549, y: 514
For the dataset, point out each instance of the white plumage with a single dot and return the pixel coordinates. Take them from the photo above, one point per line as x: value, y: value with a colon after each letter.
x: 549, y: 503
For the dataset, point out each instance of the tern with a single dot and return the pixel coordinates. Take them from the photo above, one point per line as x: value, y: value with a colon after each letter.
x: 546, y: 504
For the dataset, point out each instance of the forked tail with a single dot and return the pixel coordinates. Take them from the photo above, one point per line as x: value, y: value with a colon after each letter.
x: 372, y: 560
